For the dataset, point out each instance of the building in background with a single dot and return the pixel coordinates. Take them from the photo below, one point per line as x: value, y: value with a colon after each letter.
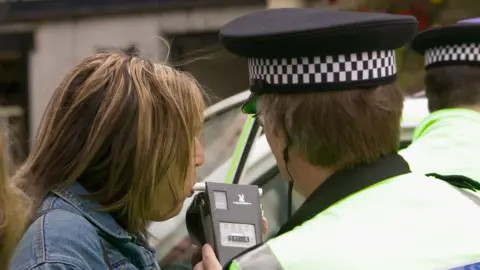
x: 41, y: 40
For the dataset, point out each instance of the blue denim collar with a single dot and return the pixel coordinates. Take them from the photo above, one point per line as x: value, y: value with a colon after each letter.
x: 103, y: 220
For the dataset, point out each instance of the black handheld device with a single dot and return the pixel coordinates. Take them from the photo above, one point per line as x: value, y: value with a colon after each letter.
x: 226, y: 216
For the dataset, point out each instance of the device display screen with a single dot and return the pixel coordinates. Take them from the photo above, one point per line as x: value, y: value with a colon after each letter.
x: 220, y: 200
x: 237, y: 235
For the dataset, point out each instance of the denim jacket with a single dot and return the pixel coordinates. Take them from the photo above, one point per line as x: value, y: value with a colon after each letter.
x: 72, y: 239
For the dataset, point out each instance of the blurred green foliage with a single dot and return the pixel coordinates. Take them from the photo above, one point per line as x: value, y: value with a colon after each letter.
x: 410, y: 64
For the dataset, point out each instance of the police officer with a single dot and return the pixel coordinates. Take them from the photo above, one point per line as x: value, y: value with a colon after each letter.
x: 322, y: 84
x: 447, y: 141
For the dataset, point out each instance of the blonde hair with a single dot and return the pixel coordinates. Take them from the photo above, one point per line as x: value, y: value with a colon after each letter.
x: 125, y: 128
x: 13, y: 209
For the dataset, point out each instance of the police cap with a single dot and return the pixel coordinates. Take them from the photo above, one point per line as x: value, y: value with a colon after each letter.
x: 294, y: 50
x: 457, y: 44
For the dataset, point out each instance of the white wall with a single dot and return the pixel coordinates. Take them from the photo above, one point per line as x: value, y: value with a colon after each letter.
x: 60, y: 45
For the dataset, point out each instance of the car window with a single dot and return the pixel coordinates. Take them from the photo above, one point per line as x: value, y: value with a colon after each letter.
x: 219, y: 138
x: 274, y: 201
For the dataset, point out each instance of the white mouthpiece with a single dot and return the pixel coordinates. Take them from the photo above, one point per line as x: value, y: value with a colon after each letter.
x: 200, y: 187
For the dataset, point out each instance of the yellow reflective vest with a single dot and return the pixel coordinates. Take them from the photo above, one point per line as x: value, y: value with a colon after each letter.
x: 409, y: 221
x: 446, y: 142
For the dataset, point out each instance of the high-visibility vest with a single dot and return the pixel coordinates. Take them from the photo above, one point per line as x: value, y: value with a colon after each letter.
x: 409, y: 222
x: 447, y: 143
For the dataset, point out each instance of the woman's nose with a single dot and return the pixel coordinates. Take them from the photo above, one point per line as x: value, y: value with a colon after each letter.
x: 199, y: 153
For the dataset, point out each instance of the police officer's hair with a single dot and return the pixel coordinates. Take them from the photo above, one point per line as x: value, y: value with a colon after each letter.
x: 452, y: 86
x: 340, y: 128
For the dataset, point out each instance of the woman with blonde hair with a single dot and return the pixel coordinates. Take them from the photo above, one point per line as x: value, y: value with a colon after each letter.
x: 116, y: 149
x: 13, y: 209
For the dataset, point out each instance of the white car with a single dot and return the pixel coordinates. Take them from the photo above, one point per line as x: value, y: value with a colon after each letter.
x: 224, y: 123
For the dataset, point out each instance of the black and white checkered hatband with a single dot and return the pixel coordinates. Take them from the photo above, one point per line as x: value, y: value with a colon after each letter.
x: 319, y: 70
x: 452, y: 54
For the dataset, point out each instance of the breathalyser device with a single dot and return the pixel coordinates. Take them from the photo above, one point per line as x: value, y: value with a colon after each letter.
x: 226, y: 216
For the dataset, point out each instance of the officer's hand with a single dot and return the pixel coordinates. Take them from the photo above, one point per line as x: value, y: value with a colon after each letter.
x: 196, y: 255
x: 209, y: 260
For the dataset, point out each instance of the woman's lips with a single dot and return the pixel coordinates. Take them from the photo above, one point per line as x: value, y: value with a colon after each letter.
x: 192, y: 190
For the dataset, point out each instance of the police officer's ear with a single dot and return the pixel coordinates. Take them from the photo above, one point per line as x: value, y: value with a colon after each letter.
x: 272, y: 120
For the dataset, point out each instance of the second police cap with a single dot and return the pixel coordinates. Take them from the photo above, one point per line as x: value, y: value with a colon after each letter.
x: 457, y: 44
x: 298, y: 50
